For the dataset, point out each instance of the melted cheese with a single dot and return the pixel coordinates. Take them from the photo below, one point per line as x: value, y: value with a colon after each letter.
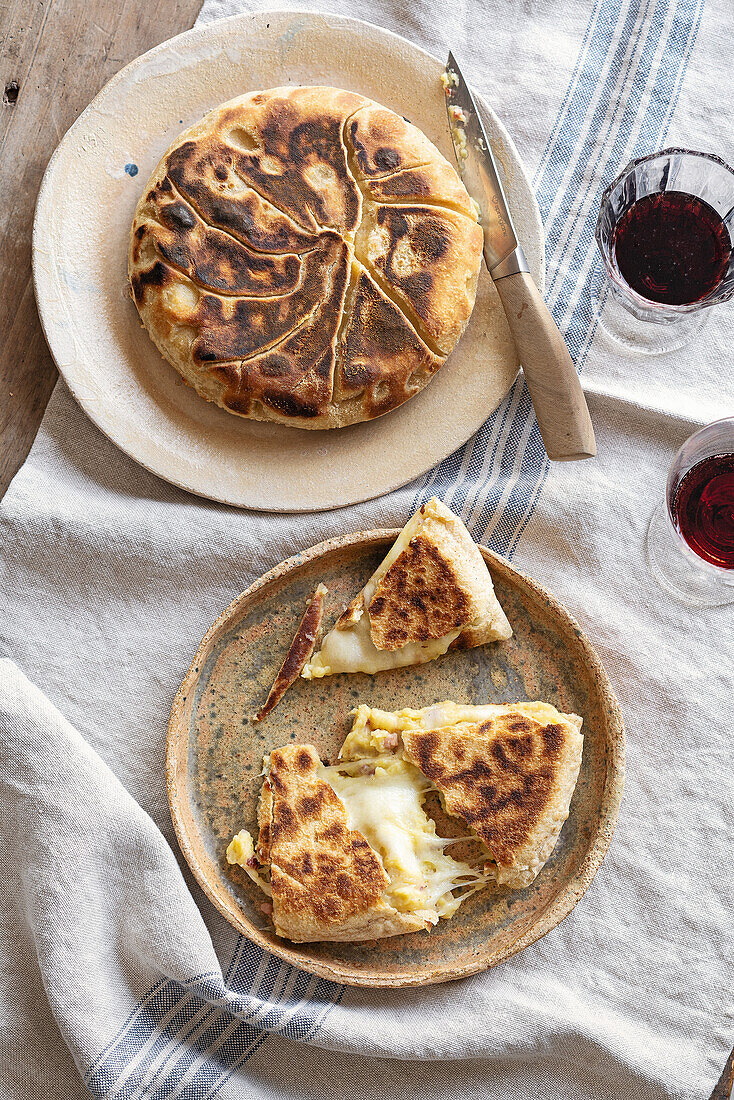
x: 449, y: 80
x: 352, y: 649
x: 386, y: 807
x: 371, y: 724
x: 458, y: 136
x: 383, y: 799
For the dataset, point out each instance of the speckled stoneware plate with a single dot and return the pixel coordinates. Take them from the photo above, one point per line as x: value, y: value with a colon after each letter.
x: 214, y: 757
x: 107, y: 359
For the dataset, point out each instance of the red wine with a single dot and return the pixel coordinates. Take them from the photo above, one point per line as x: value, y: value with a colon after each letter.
x: 672, y: 247
x: 703, y: 509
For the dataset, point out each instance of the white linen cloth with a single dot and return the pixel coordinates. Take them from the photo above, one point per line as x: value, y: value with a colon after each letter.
x: 116, y: 970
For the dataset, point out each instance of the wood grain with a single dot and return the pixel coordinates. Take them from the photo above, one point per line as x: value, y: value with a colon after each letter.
x: 55, y: 55
x: 558, y: 400
x: 725, y: 1086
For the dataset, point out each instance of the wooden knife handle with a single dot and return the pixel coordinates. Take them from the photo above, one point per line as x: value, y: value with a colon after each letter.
x: 560, y: 405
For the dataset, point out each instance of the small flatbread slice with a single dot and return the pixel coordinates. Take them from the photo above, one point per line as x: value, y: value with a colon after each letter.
x: 349, y: 855
x: 508, y: 771
x: 301, y: 648
x: 432, y: 592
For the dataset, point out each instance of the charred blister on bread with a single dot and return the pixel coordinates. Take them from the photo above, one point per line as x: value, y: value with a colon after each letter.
x: 509, y: 778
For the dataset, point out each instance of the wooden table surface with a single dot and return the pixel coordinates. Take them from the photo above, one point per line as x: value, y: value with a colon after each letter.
x: 55, y: 55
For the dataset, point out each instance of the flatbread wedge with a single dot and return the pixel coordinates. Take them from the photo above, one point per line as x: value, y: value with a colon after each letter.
x: 432, y: 592
x: 348, y: 853
x: 507, y: 771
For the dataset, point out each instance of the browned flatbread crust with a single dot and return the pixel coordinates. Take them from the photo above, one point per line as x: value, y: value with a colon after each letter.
x: 327, y: 882
x: 420, y: 597
x: 276, y: 265
x: 417, y: 253
x: 298, y: 653
x: 398, y: 163
x: 438, y: 584
x: 510, y: 779
x: 383, y: 359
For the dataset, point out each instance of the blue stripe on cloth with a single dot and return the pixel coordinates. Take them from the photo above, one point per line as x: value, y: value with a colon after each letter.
x: 662, y: 96
x: 625, y: 83
x: 208, y: 1026
x: 184, y: 1040
x: 563, y: 111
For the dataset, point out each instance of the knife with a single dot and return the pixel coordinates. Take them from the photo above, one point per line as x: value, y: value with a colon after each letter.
x: 560, y: 405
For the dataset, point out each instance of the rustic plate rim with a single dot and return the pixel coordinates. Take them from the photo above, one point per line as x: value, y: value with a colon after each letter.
x: 176, y: 776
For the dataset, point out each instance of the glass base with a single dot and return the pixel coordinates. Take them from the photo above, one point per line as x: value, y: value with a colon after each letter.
x: 641, y: 337
x: 678, y: 573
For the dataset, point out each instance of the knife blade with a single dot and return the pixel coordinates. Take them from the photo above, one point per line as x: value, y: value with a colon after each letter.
x: 558, y: 399
x: 478, y: 170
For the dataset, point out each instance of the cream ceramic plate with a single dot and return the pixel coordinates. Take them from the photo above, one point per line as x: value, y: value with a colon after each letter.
x: 83, y: 217
x: 214, y: 757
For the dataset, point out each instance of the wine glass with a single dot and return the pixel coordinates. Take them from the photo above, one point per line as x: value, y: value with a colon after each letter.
x: 669, y: 218
x: 690, y: 540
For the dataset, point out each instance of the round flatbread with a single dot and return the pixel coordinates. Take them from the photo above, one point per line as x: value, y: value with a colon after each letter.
x: 305, y: 255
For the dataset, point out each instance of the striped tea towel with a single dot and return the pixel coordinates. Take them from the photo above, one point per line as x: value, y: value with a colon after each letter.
x: 118, y: 977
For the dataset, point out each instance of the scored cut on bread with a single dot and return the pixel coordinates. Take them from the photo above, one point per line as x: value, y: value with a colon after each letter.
x: 305, y: 255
